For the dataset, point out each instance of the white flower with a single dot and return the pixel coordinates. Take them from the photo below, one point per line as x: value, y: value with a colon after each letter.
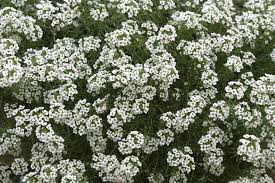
x: 183, y: 162
x: 235, y: 89
x: 19, y: 166
x: 166, y: 137
x: 219, y: 110
x: 234, y: 63
x: 272, y: 55
x: 250, y: 149
x: 166, y: 4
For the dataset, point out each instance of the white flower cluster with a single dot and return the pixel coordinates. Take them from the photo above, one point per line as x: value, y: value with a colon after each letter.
x: 134, y: 140
x: 213, y: 155
x: 10, y: 143
x: 252, y: 118
x: 219, y: 111
x: 5, y: 173
x: 183, y: 162
x: 69, y: 170
x: 14, y: 21
x: 249, y: 149
x: 61, y: 94
x: 98, y: 11
x: 29, y: 91
x: 166, y: 136
x: 19, y: 166
x: 130, y: 7
x: 180, y: 120
x: 64, y: 62
x: 272, y: 55
x: 18, y: 3
x: 188, y: 19
x: 60, y: 15
x: 156, y: 178
x: 11, y: 71
x: 257, y: 5
x: 235, y: 63
x: 263, y: 90
x: 209, y: 77
x: 166, y: 4
x: 235, y: 90
x: 112, y: 170
x: 270, y: 114
x: 255, y: 179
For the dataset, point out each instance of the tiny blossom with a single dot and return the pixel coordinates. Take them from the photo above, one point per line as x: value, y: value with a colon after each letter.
x: 211, y: 13
x: 213, y: 156
x: 150, y: 145
x: 189, y: 19
x: 131, y: 26
x: 88, y: 44
x: 100, y: 105
x: 219, y: 110
x: 13, y: 20
x: 166, y: 4
x: 10, y: 143
x: 150, y: 27
x: 262, y: 90
x: 118, y: 38
x: 167, y: 34
x: 249, y: 149
x: 75, y: 168
x: 213, y: 162
x: 11, y: 71
x: 209, y: 77
x: 178, y: 177
x: 48, y: 173
x: 61, y: 15
x: 5, y: 173
x: 258, y: 5
x: 248, y: 58
x: 98, y: 11
x: 129, y: 7
x: 251, y: 118
x: 44, y: 133
x: 166, y: 136
x: 8, y: 47
x: 18, y: 3
x: 183, y: 162
x: 272, y: 55
x: 113, y: 170
x: 130, y: 166
x: 134, y: 140
x: 19, y: 166
x: 61, y: 94
x: 156, y: 178
x: 261, y: 179
x: 45, y: 10
x: 140, y: 106
x: 235, y: 89
x: 248, y: 78
x: 270, y: 114
x: 234, y: 63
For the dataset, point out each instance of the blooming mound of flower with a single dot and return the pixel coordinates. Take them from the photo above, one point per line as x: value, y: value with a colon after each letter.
x: 160, y: 91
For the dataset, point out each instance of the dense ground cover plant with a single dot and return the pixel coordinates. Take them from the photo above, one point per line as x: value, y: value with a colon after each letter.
x: 137, y: 91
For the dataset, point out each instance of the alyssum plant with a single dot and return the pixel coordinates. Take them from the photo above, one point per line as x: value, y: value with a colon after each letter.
x: 137, y: 91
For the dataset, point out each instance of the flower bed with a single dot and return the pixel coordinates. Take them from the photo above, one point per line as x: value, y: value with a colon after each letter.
x: 137, y: 91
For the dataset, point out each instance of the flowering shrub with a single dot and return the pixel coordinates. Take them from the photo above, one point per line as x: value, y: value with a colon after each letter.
x: 137, y: 91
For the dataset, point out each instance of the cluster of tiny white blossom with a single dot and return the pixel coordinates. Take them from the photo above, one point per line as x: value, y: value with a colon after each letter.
x: 183, y: 162
x: 137, y: 90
